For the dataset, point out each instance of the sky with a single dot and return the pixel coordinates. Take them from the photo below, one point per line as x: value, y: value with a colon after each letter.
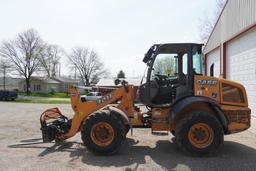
x: 120, y: 31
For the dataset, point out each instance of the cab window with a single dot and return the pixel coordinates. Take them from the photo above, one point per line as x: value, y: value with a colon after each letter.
x: 166, y: 65
x: 197, y: 61
x: 185, y: 64
x: 232, y: 94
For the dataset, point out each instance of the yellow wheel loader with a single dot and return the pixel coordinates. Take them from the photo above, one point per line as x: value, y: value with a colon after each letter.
x: 198, y: 110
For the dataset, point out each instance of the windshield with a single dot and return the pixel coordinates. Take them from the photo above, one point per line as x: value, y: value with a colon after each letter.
x: 166, y: 65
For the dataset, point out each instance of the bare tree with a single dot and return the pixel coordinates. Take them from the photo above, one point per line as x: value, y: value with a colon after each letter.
x: 207, y: 23
x: 50, y: 60
x: 5, y: 68
x: 24, y: 53
x: 87, y: 63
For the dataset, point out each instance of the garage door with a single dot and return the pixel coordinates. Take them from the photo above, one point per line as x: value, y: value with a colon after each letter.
x: 241, y: 64
x: 213, y: 63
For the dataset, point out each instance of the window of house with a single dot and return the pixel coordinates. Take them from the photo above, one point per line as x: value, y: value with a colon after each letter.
x: 38, y: 87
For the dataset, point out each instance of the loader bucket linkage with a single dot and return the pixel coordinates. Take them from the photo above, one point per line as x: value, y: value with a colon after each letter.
x: 53, y: 123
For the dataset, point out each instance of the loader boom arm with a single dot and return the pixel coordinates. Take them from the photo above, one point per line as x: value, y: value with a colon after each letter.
x: 83, y: 109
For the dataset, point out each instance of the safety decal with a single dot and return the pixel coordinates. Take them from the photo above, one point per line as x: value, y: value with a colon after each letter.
x: 103, y: 99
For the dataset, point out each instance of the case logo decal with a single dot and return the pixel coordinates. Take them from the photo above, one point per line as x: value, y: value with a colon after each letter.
x: 207, y: 82
x: 103, y: 99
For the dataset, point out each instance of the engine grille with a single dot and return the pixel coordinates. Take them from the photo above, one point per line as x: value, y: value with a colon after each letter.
x: 238, y: 116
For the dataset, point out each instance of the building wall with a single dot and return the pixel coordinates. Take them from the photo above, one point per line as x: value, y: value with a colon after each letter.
x: 235, y: 34
x: 64, y: 86
x: 39, y: 86
x: 236, y: 16
x: 213, y: 58
x: 52, y: 87
x: 35, y: 86
x: 241, y: 64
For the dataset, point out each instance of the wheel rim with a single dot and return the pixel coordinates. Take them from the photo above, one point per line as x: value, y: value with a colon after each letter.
x: 102, y: 134
x: 201, y: 135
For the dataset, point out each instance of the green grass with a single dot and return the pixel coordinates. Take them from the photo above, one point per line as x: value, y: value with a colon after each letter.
x: 40, y: 101
x: 50, y: 95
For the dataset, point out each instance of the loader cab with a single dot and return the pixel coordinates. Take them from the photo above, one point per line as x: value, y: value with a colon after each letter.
x: 170, y: 73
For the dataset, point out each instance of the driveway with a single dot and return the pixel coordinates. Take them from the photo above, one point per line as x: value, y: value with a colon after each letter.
x: 21, y: 148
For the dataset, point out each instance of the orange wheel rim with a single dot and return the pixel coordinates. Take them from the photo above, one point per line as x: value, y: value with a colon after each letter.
x: 200, y: 135
x: 102, y: 134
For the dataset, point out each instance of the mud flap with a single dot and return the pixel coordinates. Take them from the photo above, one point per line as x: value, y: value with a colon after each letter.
x: 53, y: 124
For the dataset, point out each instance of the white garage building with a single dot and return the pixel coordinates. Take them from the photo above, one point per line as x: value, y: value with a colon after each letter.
x: 231, y: 48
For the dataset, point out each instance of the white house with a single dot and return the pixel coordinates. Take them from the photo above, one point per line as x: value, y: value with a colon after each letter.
x: 231, y: 48
x: 47, y: 85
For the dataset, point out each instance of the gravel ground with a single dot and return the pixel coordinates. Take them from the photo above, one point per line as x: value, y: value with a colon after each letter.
x: 21, y: 97
x: 21, y: 148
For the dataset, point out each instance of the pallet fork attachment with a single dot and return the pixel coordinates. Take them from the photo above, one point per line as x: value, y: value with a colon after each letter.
x: 56, y: 126
x: 53, y: 124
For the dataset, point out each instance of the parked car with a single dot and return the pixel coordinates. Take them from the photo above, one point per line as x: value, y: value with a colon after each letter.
x: 91, y: 96
x: 8, y: 95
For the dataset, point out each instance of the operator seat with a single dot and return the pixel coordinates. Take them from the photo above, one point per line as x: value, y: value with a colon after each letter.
x: 182, y: 90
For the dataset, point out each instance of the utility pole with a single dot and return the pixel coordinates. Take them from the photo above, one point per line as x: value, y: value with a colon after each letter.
x: 4, y: 67
x: 4, y: 72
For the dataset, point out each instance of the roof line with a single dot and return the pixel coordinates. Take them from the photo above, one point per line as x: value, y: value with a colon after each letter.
x: 216, y: 23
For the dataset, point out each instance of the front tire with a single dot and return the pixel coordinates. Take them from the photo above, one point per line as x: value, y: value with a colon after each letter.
x: 199, y: 133
x: 103, y: 133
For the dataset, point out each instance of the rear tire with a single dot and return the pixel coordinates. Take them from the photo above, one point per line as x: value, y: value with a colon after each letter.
x: 127, y: 129
x: 103, y: 133
x: 199, y: 133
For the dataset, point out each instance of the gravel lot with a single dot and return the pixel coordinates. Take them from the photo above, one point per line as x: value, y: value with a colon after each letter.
x: 21, y: 148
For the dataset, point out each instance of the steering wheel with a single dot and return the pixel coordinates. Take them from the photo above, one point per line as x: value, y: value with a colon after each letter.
x: 162, y: 79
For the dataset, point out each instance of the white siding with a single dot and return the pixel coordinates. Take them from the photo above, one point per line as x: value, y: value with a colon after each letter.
x: 241, y: 64
x: 236, y: 16
x: 214, y: 58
